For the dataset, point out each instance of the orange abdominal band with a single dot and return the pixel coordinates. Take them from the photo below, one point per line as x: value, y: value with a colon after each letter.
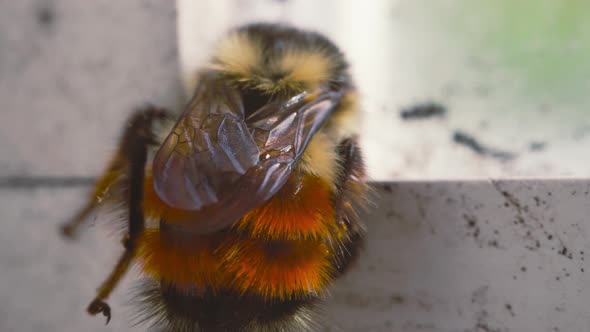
x: 184, y: 262
x: 279, y: 269
x: 278, y: 251
x: 283, y: 270
x: 302, y: 209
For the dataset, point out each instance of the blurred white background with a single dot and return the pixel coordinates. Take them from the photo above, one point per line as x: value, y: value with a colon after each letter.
x: 512, y: 75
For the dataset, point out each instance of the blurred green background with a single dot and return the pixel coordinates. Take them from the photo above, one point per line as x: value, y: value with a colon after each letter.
x: 544, y: 44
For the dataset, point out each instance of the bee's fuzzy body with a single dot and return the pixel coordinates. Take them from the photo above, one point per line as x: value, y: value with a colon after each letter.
x: 269, y: 270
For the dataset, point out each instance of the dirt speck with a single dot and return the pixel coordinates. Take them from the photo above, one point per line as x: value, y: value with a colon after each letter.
x: 45, y: 15
x: 537, y: 146
x: 423, y: 111
x: 566, y: 252
x: 472, y: 143
x: 508, y: 307
x: 387, y: 188
x: 397, y: 299
x: 471, y: 221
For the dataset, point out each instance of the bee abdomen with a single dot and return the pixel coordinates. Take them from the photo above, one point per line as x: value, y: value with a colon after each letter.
x: 170, y: 308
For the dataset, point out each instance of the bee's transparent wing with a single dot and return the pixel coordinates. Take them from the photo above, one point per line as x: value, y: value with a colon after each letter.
x: 209, y: 148
x: 282, y: 131
x: 221, y: 165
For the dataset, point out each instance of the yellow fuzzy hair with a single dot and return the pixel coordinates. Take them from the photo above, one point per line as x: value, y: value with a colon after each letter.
x: 320, y: 157
x: 310, y: 67
x: 237, y: 54
x: 240, y: 55
x: 345, y: 121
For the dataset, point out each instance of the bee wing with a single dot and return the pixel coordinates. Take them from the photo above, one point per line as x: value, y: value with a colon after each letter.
x: 221, y: 165
x: 282, y: 131
x: 209, y: 148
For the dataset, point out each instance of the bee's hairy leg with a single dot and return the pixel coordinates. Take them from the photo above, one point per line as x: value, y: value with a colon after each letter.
x: 134, y: 145
x: 101, y: 191
x: 98, y: 305
x: 118, y: 165
x: 69, y: 230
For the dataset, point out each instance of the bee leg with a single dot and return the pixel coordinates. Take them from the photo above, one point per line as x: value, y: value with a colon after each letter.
x: 69, y: 229
x: 98, y: 305
x: 101, y: 190
x: 136, y: 139
x: 139, y: 124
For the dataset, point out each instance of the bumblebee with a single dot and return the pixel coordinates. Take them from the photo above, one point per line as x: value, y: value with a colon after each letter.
x: 245, y: 211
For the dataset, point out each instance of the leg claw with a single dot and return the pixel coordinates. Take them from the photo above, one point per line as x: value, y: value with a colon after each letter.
x: 98, y: 306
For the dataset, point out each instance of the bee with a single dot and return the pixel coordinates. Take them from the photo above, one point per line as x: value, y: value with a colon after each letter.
x: 246, y: 210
